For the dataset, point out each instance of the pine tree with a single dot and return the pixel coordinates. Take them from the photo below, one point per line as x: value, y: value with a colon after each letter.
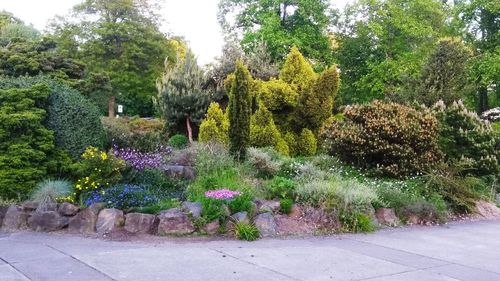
x: 181, y: 98
x: 240, y: 109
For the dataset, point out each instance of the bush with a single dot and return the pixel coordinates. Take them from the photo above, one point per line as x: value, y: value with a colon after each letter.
x: 245, y: 231
x: 263, y: 162
x: 387, y: 138
x: 356, y: 222
x: 178, y: 141
x: 144, y: 135
x: 214, y: 128
x: 212, y: 209
x: 280, y: 187
x: 212, y: 158
x: 51, y: 191
x: 25, y: 144
x: 242, y: 203
x: 228, y: 179
x: 306, y: 143
x: 463, y: 136
x: 159, y: 183
x: 97, y: 170
x: 264, y: 133
x: 286, y: 206
x: 122, y: 196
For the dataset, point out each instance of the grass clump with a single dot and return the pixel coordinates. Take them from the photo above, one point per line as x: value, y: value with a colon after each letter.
x: 286, y: 206
x: 245, y: 231
x: 48, y: 192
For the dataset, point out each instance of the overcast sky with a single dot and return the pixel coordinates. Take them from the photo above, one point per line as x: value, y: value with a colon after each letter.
x: 195, y: 20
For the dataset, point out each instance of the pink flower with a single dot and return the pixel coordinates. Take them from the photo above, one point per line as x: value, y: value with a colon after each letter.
x: 222, y: 194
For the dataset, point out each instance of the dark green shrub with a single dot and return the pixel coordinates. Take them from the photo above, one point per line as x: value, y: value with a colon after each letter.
x: 286, y: 206
x: 280, y: 187
x: 386, y: 138
x: 74, y: 119
x: 25, y: 143
x: 142, y: 134
x: 212, y: 209
x: 464, y: 137
x: 245, y: 231
x: 242, y: 203
x: 178, y: 141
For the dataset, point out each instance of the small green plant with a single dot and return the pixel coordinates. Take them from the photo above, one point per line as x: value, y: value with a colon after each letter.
x: 286, y: 206
x: 280, y: 187
x: 178, y: 141
x: 245, y: 231
x: 158, y: 207
x: 212, y: 209
x: 49, y: 192
x: 264, y: 164
x: 242, y: 203
x: 356, y: 222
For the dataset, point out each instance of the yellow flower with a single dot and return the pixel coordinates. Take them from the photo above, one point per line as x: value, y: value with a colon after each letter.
x: 104, y: 156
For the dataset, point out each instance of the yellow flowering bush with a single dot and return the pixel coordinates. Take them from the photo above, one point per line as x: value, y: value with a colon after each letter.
x: 98, y: 169
x: 387, y: 138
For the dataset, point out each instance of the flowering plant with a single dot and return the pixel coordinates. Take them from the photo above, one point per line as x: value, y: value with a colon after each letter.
x: 122, y: 196
x: 222, y: 194
x: 142, y: 160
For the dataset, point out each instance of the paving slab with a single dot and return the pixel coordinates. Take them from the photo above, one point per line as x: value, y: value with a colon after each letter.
x: 418, y: 275
x: 465, y: 273
x: 8, y: 273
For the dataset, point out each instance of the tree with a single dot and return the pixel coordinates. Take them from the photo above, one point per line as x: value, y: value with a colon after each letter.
x: 240, y: 110
x: 445, y: 75
x: 281, y: 24
x: 121, y: 39
x: 383, y: 45
x: 264, y: 133
x: 14, y: 28
x: 479, y: 24
x: 215, y: 126
x: 181, y: 98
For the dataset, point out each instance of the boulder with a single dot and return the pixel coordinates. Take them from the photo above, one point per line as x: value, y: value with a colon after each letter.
x: 386, y: 216
x: 487, y: 210
x: 29, y: 206
x: 268, y: 206
x: 15, y: 218
x: 266, y: 224
x: 68, y: 209
x: 173, y: 221
x: 240, y: 217
x: 140, y: 223
x: 179, y: 171
x: 193, y: 208
x: 85, y: 221
x: 47, y: 221
x: 211, y: 228
x: 109, y: 220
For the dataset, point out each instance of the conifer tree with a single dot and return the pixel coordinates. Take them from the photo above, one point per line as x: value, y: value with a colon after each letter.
x: 240, y: 109
x: 264, y: 133
x: 215, y: 126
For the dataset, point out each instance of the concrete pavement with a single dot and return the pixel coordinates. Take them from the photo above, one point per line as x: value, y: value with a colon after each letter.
x: 458, y: 251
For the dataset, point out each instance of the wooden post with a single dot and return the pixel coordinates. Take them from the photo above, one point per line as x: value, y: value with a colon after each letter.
x: 111, y: 106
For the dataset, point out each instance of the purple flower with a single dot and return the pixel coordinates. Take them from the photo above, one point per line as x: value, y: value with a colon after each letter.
x: 222, y: 194
x: 142, y: 160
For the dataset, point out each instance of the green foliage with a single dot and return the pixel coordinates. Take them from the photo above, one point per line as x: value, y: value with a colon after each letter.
x: 212, y: 209
x: 240, y: 109
x: 242, y: 203
x: 265, y: 165
x: 387, y: 138
x: 356, y: 222
x: 181, y: 98
x: 25, y: 143
x: 306, y: 143
x: 138, y: 133
x: 276, y: 94
x: 178, y: 141
x: 122, y: 39
x: 444, y: 76
x: 245, y: 231
x: 97, y: 170
x: 280, y: 187
x: 264, y: 133
x: 286, y: 206
x: 274, y: 23
x: 464, y: 137
x: 297, y: 72
x: 158, y: 182
x: 212, y: 158
x: 50, y: 192
x: 155, y: 209
x: 215, y: 126
x: 74, y: 119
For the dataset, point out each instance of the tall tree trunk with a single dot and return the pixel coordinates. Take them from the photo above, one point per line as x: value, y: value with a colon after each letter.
x: 483, y: 99
x: 111, y: 106
x: 189, y: 130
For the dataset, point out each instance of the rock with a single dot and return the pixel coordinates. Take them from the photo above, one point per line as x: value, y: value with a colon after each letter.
x: 487, y: 210
x: 173, y: 221
x: 68, y: 209
x: 266, y: 224
x: 188, y: 173
x: 193, y: 208
x: 387, y: 216
x: 109, y: 220
x: 85, y: 221
x: 15, y: 218
x: 240, y: 217
x: 268, y: 206
x: 29, y: 206
x: 140, y: 223
x: 212, y: 227
x: 413, y: 220
x: 47, y: 221
x: 179, y: 171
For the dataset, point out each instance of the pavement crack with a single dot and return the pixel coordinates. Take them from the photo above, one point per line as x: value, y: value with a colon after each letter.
x: 15, y: 268
x: 254, y: 264
x: 80, y: 261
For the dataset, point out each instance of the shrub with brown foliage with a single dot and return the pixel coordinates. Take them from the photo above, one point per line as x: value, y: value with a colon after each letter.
x: 387, y: 138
